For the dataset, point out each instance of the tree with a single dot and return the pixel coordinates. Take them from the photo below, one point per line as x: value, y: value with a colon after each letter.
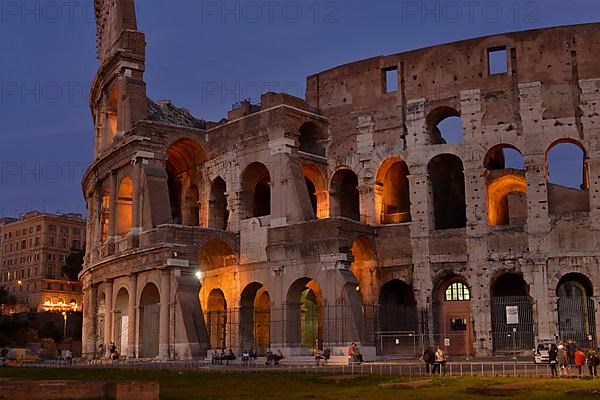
x: 6, y: 298
x: 73, y: 264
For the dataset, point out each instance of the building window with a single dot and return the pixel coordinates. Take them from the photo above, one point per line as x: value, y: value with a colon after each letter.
x: 457, y: 291
x: 458, y: 324
x: 52, y: 228
x: 38, y: 228
x: 391, y: 79
x: 497, y: 61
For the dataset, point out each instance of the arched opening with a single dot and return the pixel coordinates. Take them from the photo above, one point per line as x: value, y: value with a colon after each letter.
x: 445, y: 126
x: 191, y: 207
x: 316, y: 186
x: 125, y: 207
x: 452, y: 316
x: 568, y: 181
x: 304, y: 315
x: 216, y: 319
x: 447, y: 182
x: 512, y: 314
x: 256, y: 186
x: 216, y: 254
x: 149, y: 321
x: 112, y: 116
x: 255, y: 318
x: 121, y: 321
x: 506, y: 186
x: 576, y: 311
x: 345, y: 195
x: 184, y: 159
x: 312, y: 139
x: 392, y: 192
x: 219, y: 214
x: 397, y: 319
x: 104, y: 215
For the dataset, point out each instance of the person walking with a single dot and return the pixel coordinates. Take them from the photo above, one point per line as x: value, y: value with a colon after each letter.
x: 553, y: 359
x: 563, y: 360
x: 593, y: 359
x: 571, y: 349
x: 579, y: 361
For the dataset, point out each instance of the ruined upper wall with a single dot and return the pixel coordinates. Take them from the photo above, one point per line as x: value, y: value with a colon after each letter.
x: 558, y: 58
x: 113, y: 17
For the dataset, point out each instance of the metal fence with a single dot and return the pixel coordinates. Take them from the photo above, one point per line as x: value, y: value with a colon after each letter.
x: 576, y: 319
x: 486, y: 369
x: 512, y: 324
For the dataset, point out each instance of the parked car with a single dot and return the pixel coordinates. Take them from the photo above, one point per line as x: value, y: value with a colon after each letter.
x: 540, y: 353
x: 24, y: 355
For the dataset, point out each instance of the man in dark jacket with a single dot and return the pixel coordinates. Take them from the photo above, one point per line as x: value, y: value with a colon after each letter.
x: 428, y: 358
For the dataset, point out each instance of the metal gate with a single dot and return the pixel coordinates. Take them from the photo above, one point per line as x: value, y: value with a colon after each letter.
x: 576, y: 319
x: 512, y: 324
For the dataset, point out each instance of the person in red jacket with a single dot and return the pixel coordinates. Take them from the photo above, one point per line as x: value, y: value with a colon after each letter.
x: 579, y: 360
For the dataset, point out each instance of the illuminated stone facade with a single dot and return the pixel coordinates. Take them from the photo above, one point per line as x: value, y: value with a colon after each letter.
x: 349, y: 216
x: 34, y: 248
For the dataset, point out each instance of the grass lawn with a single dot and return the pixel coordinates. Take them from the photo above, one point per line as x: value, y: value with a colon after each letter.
x: 282, y: 385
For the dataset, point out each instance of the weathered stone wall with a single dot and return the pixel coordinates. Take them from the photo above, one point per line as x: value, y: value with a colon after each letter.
x: 548, y: 94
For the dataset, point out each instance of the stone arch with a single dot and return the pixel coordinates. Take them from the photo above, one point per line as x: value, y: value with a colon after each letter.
x: 316, y: 185
x: 344, y: 193
x: 506, y: 186
x: 184, y: 159
x: 214, y: 254
x: 312, y: 139
x: 304, y: 314
x: 256, y: 191
x: 149, y: 321
x: 255, y: 318
x: 216, y: 319
x: 447, y: 182
x: 125, y: 206
x: 576, y: 309
x: 392, y: 192
x: 512, y: 313
x: 444, y: 125
x: 452, y: 314
x: 218, y: 211
x: 567, y: 158
x: 397, y: 315
x: 121, y: 321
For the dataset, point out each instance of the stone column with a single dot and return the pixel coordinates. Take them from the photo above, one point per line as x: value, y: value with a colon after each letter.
x: 540, y: 294
x: 87, y: 326
x: 367, y: 204
x: 132, y: 317
x: 165, y: 296
x: 108, y: 314
x: 112, y: 222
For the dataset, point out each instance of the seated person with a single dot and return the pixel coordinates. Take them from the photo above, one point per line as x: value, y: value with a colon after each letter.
x: 245, y: 357
x: 323, y: 355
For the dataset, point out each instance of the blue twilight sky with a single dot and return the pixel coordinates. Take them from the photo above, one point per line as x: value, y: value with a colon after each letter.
x: 205, y: 56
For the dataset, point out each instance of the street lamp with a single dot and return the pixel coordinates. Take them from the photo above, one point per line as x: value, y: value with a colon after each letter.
x: 64, y: 314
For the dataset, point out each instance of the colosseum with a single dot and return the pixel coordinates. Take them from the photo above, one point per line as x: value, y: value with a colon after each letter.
x: 362, y: 213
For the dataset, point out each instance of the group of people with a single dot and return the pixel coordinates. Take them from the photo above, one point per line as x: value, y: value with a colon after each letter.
x: 569, y: 357
x: 219, y: 356
x: 323, y: 355
x: 249, y: 357
x: 354, y: 354
x: 66, y: 356
x: 113, y: 353
x: 435, y: 361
